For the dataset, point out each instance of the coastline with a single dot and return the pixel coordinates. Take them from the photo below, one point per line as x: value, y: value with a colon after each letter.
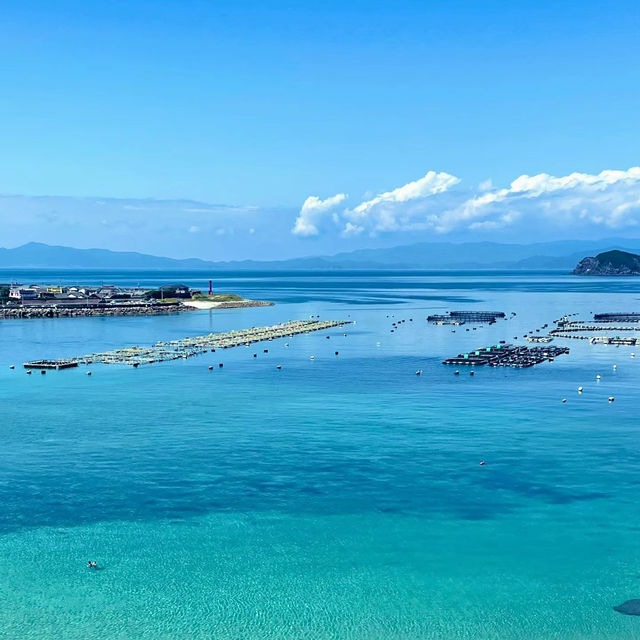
x: 78, y: 311
x: 230, y: 304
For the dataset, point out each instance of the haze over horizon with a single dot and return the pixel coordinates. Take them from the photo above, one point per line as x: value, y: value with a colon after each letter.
x: 274, y: 131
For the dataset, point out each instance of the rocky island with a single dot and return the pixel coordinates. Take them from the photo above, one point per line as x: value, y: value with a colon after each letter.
x: 609, y: 263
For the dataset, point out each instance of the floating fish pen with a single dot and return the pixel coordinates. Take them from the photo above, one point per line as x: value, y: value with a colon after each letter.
x: 188, y: 347
x: 543, y: 339
x: 506, y: 355
x: 616, y: 317
x: 617, y: 340
x: 51, y: 364
x: 443, y: 320
x: 460, y: 317
x: 566, y: 330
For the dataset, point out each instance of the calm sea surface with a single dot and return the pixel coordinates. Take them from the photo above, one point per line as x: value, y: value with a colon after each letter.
x: 340, y: 497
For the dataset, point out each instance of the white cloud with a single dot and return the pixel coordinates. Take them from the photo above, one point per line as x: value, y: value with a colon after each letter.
x: 545, y: 203
x: 351, y: 229
x: 396, y: 210
x: 401, y: 208
x: 610, y: 199
x: 312, y: 212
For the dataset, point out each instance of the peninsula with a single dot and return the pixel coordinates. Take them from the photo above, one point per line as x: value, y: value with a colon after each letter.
x: 609, y: 263
x: 56, y: 301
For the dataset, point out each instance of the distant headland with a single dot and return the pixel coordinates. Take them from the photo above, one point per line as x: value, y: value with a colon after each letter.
x: 609, y: 263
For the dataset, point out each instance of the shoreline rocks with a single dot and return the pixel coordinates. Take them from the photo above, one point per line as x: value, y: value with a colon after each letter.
x: 94, y: 311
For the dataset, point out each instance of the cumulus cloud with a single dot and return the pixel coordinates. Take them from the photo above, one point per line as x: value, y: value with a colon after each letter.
x: 313, y: 211
x: 607, y: 199
x: 397, y: 209
x: 437, y: 204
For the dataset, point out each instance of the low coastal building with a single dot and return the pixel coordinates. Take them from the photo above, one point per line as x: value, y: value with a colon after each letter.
x: 18, y: 293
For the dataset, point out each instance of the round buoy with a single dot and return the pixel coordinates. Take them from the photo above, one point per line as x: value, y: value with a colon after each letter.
x: 418, y: 372
x: 88, y: 373
x: 579, y: 389
x: 12, y: 366
x: 457, y: 373
x: 43, y: 372
x: 598, y: 377
x: 255, y: 355
x: 482, y: 463
x: 336, y: 353
x: 210, y: 367
x: 279, y: 366
x: 312, y: 358
x: 221, y: 365
x: 564, y: 399
x: 28, y: 372
x: 615, y: 367
x: 471, y: 373
x: 611, y: 398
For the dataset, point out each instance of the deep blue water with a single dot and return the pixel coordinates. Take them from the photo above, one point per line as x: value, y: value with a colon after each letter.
x: 339, y: 497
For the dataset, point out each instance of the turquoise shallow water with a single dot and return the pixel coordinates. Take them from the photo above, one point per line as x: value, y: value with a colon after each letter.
x: 340, y: 497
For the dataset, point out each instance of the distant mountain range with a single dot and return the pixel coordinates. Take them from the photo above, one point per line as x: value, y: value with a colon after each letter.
x: 426, y: 255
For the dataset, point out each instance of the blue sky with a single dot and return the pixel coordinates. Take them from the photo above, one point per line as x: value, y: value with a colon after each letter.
x: 258, y: 106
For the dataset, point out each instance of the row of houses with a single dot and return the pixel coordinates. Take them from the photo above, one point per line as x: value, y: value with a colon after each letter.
x: 87, y: 295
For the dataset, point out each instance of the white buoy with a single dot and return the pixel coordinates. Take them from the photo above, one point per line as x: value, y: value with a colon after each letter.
x: 633, y: 355
x: 598, y: 377
x: 312, y: 358
x: 615, y: 367
x: 564, y: 399
x: 12, y: 366
x: 579, y: 389
x: 88, y: 373
x: 611, y: 398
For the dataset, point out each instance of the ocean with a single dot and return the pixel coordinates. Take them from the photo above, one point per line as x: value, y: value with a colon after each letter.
x: 339, y: 497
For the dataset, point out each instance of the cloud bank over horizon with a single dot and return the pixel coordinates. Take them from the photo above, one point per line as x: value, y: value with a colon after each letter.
x: 435, y: 203
x: 436, y: 207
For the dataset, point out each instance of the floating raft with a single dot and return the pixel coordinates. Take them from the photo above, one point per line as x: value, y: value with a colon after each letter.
x: 460, y: 317
x: 617, y: 317
x: 51, y: 364
x: 507, y: 355
x: 188, y: 347
x: 616, y: 340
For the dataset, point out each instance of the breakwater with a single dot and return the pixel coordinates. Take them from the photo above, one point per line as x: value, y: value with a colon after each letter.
x: 50, y: 310
x: 93, y: 310
x: 188, y: 347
